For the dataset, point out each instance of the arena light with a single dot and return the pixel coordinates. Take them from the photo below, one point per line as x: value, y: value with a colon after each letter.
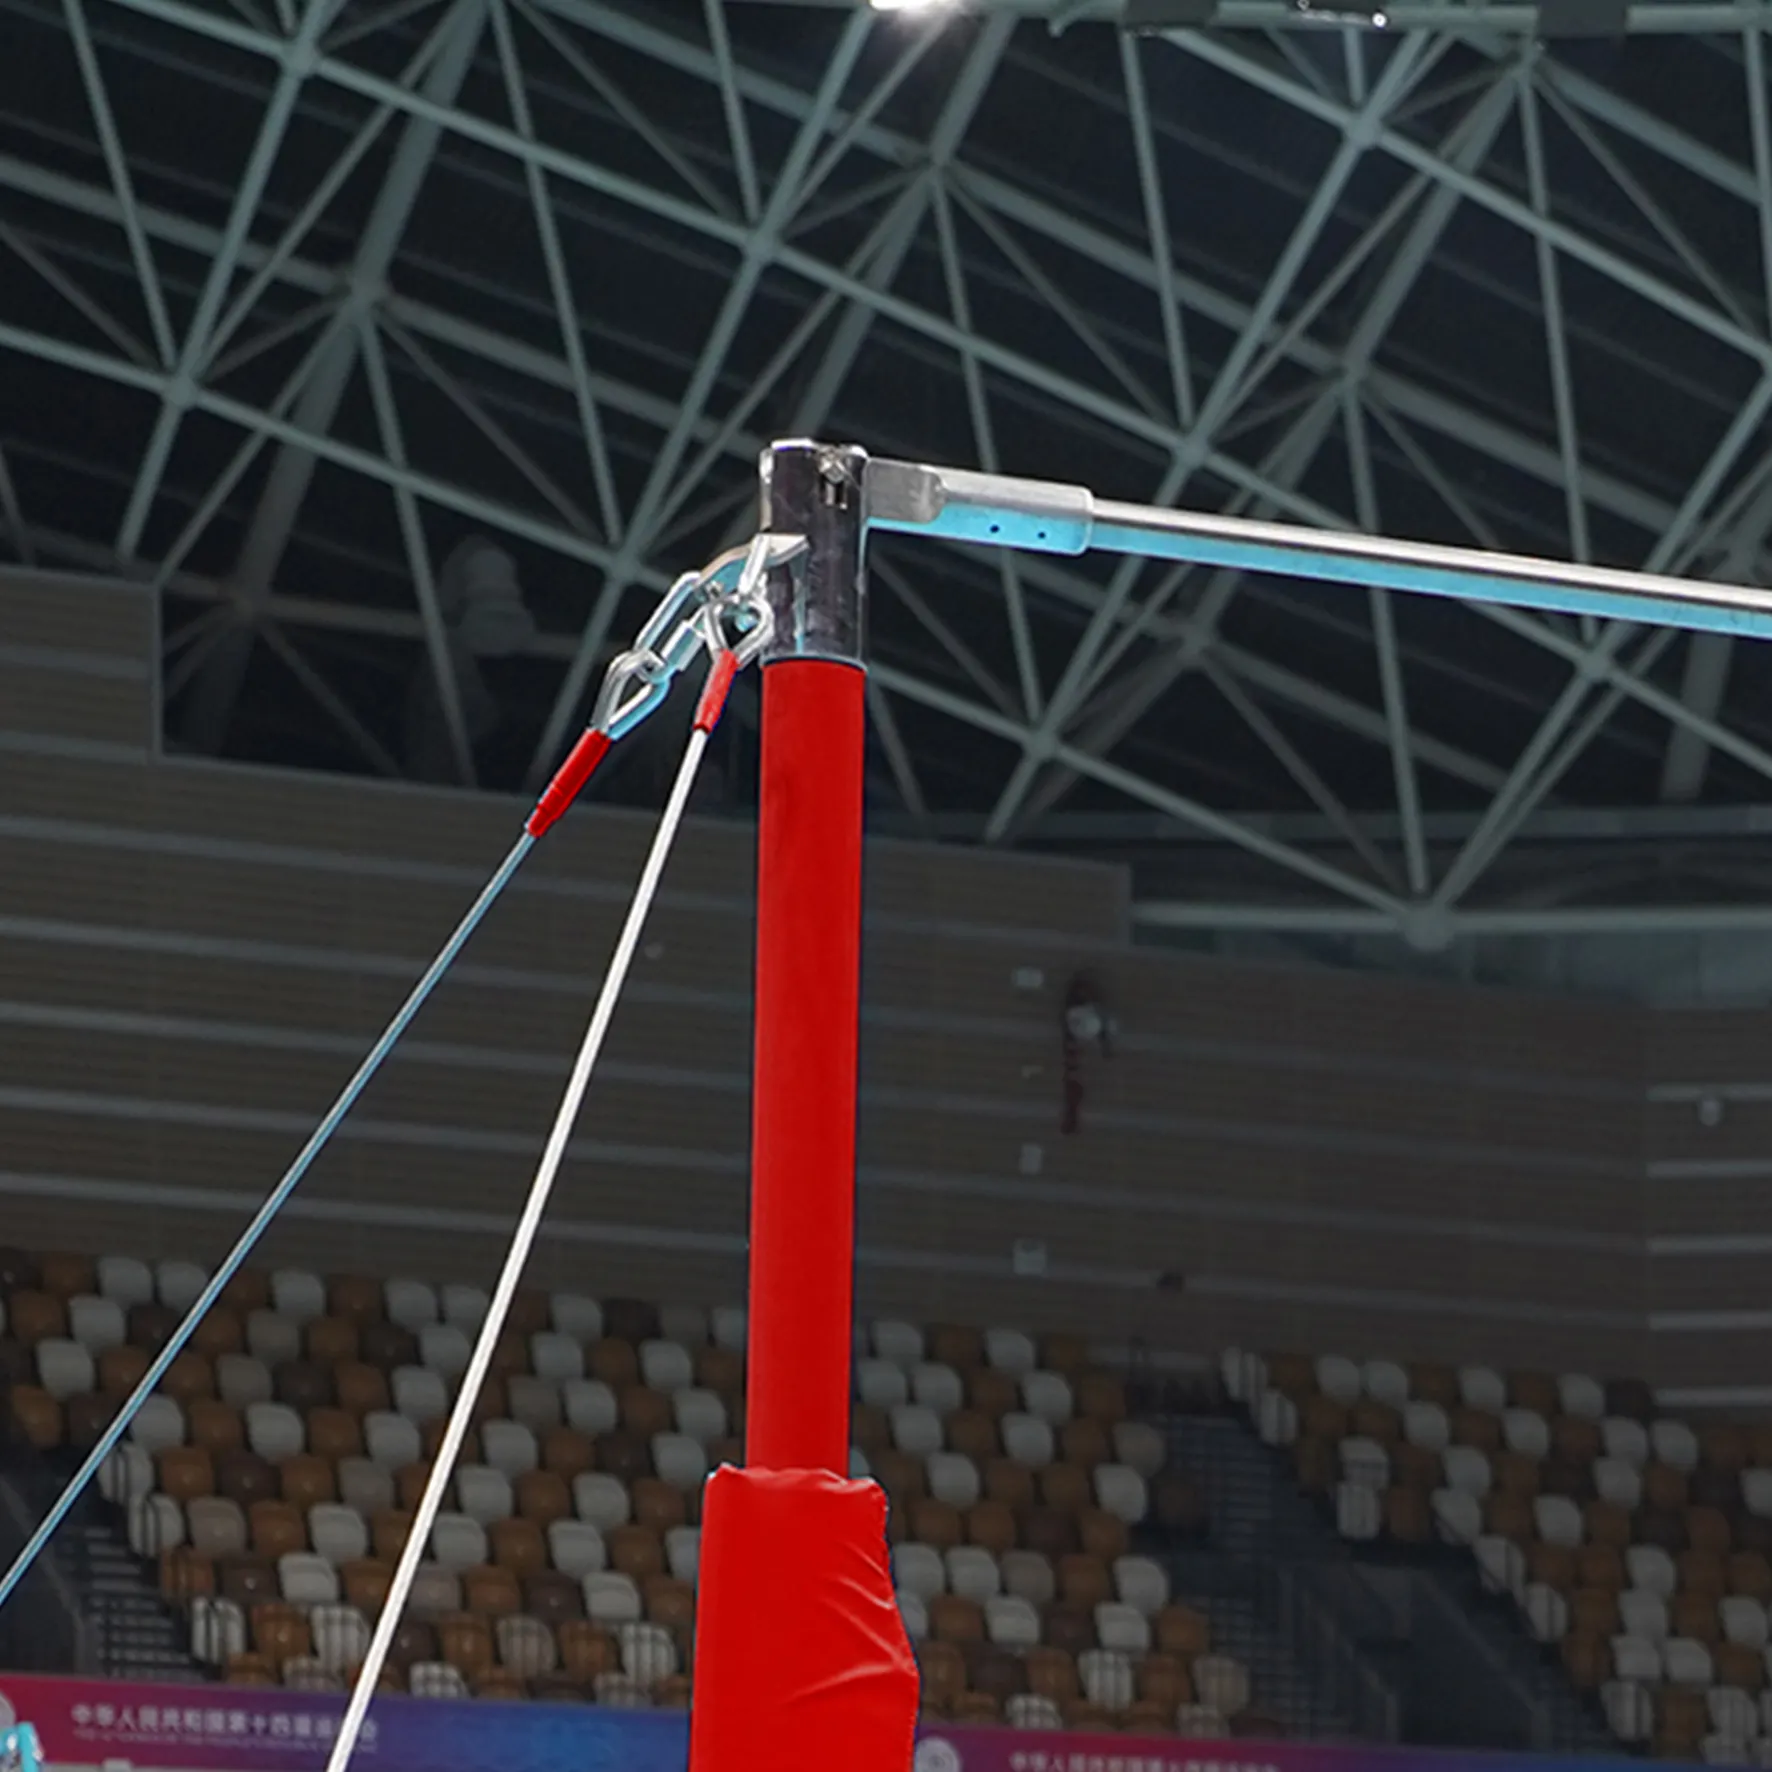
x: 924, y: 6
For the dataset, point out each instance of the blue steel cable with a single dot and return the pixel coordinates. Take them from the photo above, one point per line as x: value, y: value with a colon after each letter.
x: 175, y: 1345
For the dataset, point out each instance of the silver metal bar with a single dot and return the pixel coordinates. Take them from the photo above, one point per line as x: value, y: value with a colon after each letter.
x: 996, y: 511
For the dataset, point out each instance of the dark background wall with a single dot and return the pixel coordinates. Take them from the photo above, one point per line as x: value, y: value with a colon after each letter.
x: 193, y: 957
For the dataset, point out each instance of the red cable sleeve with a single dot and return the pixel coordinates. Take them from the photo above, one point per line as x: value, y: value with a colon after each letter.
x: 802, y: 1663
x: 714, y: 692
x: 580, y: 765
x: 803, y: 1089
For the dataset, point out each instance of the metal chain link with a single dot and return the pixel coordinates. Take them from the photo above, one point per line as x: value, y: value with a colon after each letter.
x: 720, y: 608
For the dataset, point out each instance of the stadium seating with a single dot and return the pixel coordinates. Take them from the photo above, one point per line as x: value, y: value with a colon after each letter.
x: 274, y: 1482
x: 1636, y: 1548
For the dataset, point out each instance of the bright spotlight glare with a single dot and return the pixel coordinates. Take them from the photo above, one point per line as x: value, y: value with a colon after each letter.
x: 912, y: 5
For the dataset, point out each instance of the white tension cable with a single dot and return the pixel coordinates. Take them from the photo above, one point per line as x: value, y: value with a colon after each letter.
x: 521, y: 1242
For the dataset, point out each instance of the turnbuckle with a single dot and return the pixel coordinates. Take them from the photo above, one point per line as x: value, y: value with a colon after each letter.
x: 722, y: 608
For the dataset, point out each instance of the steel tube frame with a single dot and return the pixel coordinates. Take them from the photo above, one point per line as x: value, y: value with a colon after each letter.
x: 1046, y: 517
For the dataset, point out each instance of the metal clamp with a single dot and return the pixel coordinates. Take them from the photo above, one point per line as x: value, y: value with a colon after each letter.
x: 722, y: 608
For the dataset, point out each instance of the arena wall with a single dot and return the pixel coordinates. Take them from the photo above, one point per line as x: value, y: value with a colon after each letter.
x: 193, y: 956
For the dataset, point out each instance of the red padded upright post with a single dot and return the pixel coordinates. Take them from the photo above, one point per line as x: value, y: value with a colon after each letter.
x: 803, y: 1100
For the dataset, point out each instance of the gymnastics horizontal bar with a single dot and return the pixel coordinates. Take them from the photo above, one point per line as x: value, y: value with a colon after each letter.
x: 906, y: 498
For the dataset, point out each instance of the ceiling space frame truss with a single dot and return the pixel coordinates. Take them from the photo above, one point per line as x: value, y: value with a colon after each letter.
x: 702, y: 229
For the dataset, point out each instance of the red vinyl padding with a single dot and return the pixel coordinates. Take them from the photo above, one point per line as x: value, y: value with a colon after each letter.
x: 802, y: 1664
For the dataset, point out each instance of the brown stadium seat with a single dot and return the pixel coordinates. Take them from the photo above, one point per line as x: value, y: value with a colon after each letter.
x: 388, y: 1533
x: 121, y: 1369
x: 719, y: 1369
x: 1514, y: 1473
x: 936, y: 1524
x: 331, y: 1340
x: 1046, y: 1530
x: 1681, y: 1723
x: 247, y: 1291
x: 670, y: 1602
x: 1145, y: 1718
x: 307, y: 1481
x: 870, y: 1429
x: 430, y: 1436
x: 248, y: 1580
x: 220, y: 1332
x: 413, y: 1640
x: 409, y: 1486
x: 1663, y: 1527
x: 1695, y: 1615
x: 543, y: 1497
x: 1377, y: 1421
x: 1084, y: 1581
x: 586, y: 1650
x: 635, y: 1551
x: 561, y: 1688
x: 85, y: 1418
x: 973, y: 1435
x: 976, y: 1709
x: 1665, y: 1487
x: 658, y: 1506
x: 67, y: 1276
x: 280, y: 1632
x: 185, y: 1574
x: 189, y: 1379
x: 387, y: 1346
x: 954, y: 1619
x: 466, y: 1644
x: 16, y: 1364
x: 1163, y: 1679
x: 1084, y: 1442
x: 1703, y: 1572
x: 991, y: 1525
x: 903, y: 1477
x: 1317, y: 1465
x: 1066, y: 1488
x: 303, y: 1385
x: 362, y: 1389
x: 1567, y: 1477
x: 32, y: 1317
x: 491, y: 1592
x: 186, y: 1472
x: 1752, y: 1533
x: 943, y: 1670
x: 276, y: 1529
x: 518, y: 1545
x: 1602, y: 1567
x: 990, y: 1393
x: 998, y: 1673
x: 1476, y: 1428
x: 568, y: 1453
x: 1068, y: 1354
x: 1176, y: 1505
x: 1554, y: 1565
x: 1103, y: 1535
x: 625, y: 1456
x: 151, y: 1326
x: 245, y: 1477
x: 247, y: 1669
x: 1509, y: 1516
x: 1069, y: 1628
x: 366, y: 1581
x: 1323, y: 1418
x: 1051, y: 1673
x: 1749, y: 1573
x: 1010, y: 1483
x: 1412, y: 1467
x: 1181, y: 1631
x: 1607, y: 1524
x: 1594, y: 1612
x: 1087, y: 1718
x: 1708, y: 1532
x: 354, y: 1299
x: 631, y: 1320
x: 1587, y: 1659
x: 1101, y: 1395
x: 614, y: 1361
x: 952, y: 1345
x: 1714, y: 1488
x: 334, y: 1434
x: 18, y: 1271
x: 1576, y: 1439
x: 1408, y: 1516
x: 645, y: 1412
x: 552, y: 1597
x: 1740, y: 1666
